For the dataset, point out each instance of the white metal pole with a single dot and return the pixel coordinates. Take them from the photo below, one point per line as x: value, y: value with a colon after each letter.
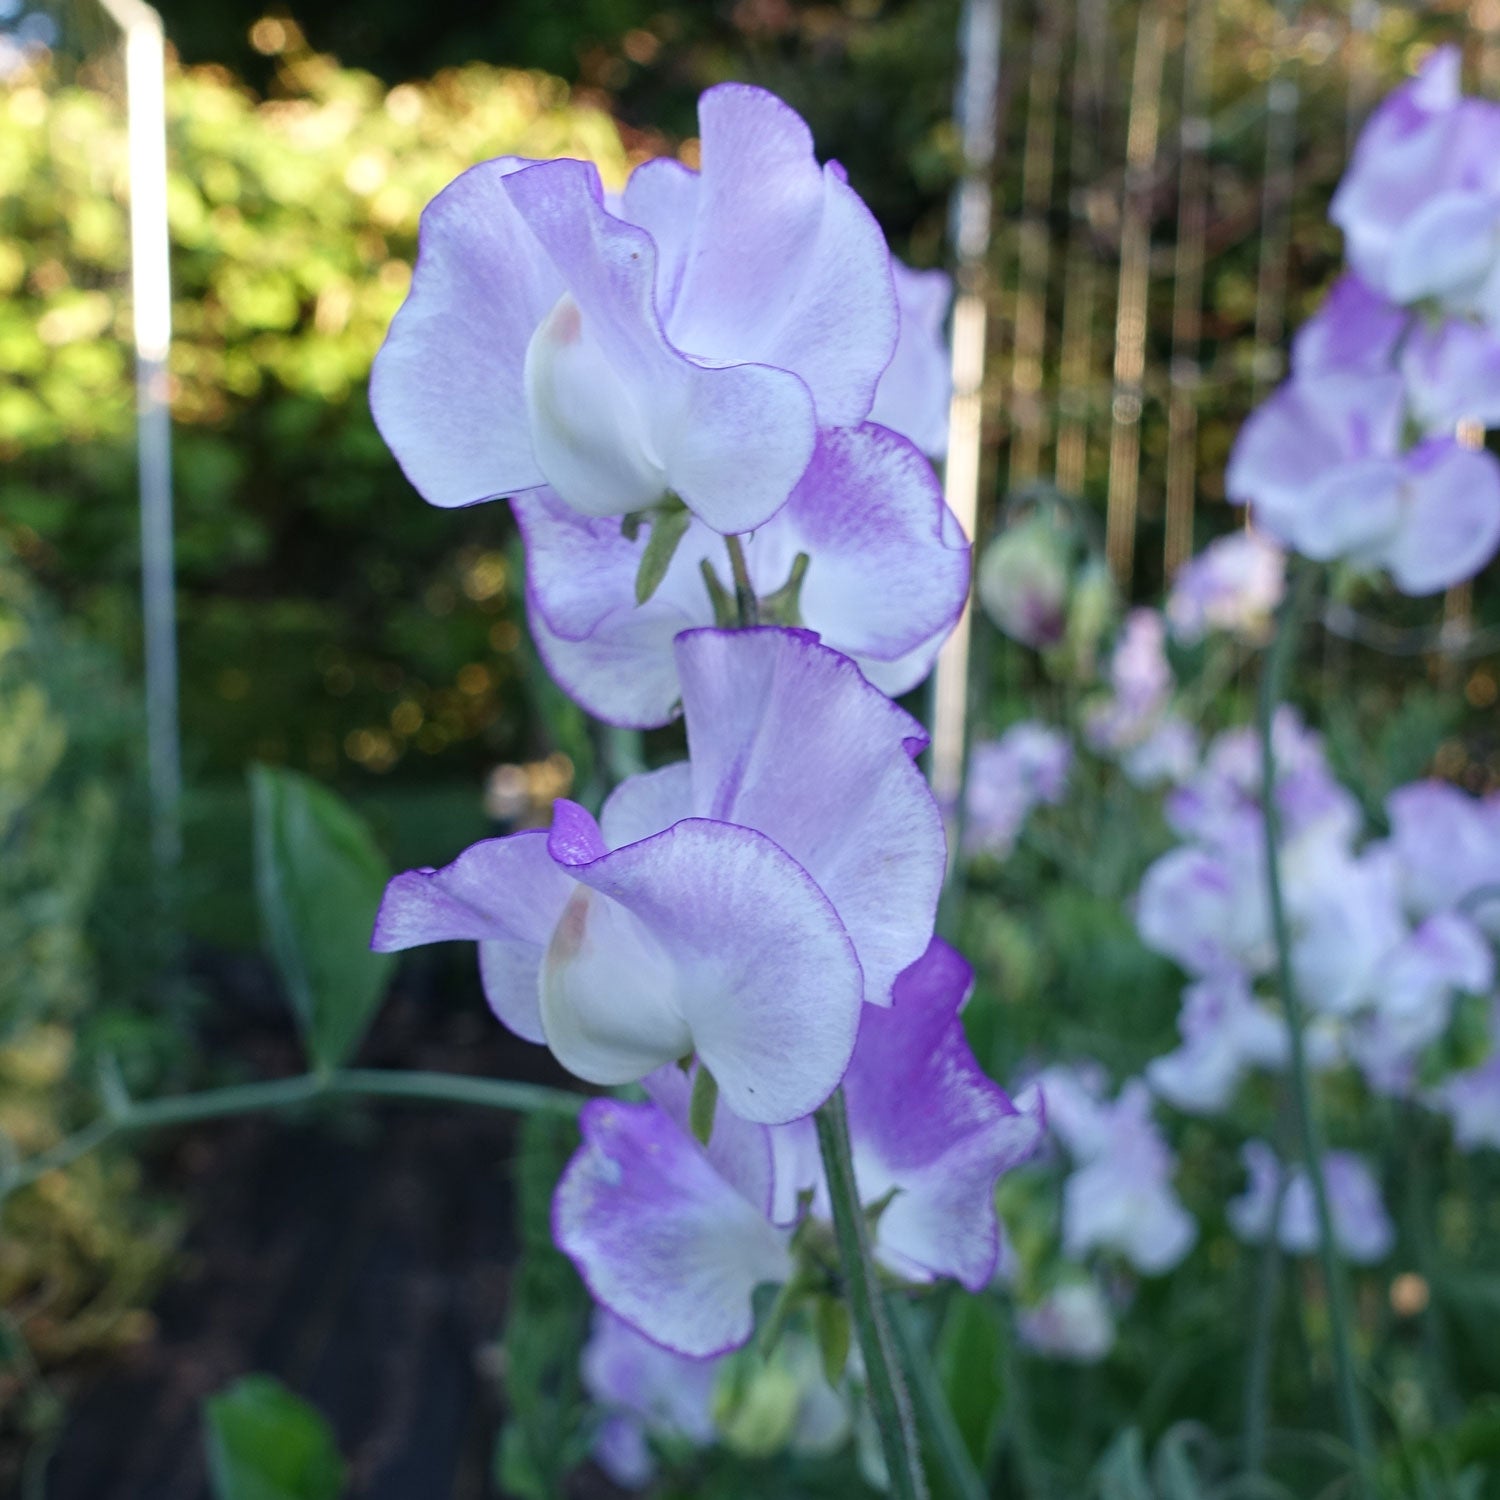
x: 975, y: 109
x: 151, y: 295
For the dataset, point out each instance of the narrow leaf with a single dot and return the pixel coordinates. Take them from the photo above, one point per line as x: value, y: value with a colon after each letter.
x: 668, y: 527
x: 835, y: 1329
x: 703, y: 1104
x: 319, y: 879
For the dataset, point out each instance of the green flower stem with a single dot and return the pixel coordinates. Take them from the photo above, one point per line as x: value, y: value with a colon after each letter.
x: 887, y: 1389
x: 944, y: 1440
x: 1258, y: 1371
x: 134, y: 1118
x: 1273, y: 683
x: 744, y: 590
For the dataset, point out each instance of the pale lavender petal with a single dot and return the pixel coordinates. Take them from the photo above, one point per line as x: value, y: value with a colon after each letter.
x: 1073, y: 1321
x: 647, y: 803
x: 1448, y: 845
x: 1206, y: 913
x: 1225, y: 1033
x: 446, y: 388
x: 1008, y: 777
x: 913, y: 394
x: 889, y: 565
x: 1451, y: 525
x: 625, y: 1371
x: 1354, y: 511
x: 705, y: 937
x: 1350, y: 923
x: 740, y: 1151
x: 926, y: 1121
x: 1356, y: 328
x: 836, y: 788
x: 1234, y: 585
x: 506, y: 895
x: 785, y: 265
x: 1447, y: 248
x: 1452, y: 374
x: 658, y: 1235
x: 730, y: 439
x: 1305, y: 431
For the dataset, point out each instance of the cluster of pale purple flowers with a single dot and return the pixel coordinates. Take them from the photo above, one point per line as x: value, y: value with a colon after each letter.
x: 1371, y: 453
x: 709, y: 401
x: 1008, y: 778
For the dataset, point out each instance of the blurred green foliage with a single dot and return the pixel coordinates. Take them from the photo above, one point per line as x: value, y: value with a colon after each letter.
x: 81, y: 1252
x: 264, y: 1443
x: 328, y: 618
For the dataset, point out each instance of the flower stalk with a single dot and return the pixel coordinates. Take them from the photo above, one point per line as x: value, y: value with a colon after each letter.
x: 1273, y: 682
x: 887, y: 1389
x: 135, y: 1118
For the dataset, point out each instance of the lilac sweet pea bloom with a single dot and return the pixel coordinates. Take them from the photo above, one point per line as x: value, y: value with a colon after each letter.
x: 1233, y: 585
x: 674, y: 1237
x: 645, y: 1391
x: 1322, y: 465
x: 1420, y: 203
x: 887, y: 575
x: 1028, y: 765
x: 1448, y: 846
x: 692, y: 343
x: 741, y: 905
x: 1141, y: 685
x: 1073, y: 1321
x: 1120, y: 1195
x: 1362, y: 1229
x: 1225, y: 1033
x: 1471, y: 1098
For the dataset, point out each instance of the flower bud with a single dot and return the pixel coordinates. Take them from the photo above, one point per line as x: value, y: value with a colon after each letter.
x: 1023, y: 581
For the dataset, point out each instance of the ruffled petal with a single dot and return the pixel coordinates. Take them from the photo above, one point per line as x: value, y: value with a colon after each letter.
x: 731, y: 439
x: 716, y: 926
x: 446, y: 389
x: 1451, y: 525
x: 506, y: 895
x: 659, y: 1236
x: 913, y: 395
x: 889, y: 563
x: 925, y: 1120
x: 784, y: 265
x: 787, y: 737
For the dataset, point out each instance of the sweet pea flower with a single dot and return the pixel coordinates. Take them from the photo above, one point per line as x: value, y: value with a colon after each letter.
x: 1233, y: 585
x: 1448, y: 846
x: 1471, y: 1098
x: 1412, y: 995
x: 1347, y: 927
x: 1322, y: 465
x: 1226, y: 1032
x: 645, y: 1392
x: 886, y: 575
x: 1420, y: 202
x: 1206, y: 909
x: 1140, y: 683
x: 1119, y: 1195
x: 1319, y: 819
x: 1167, y: 756
x: 1008, y: 777
x: 1362, y: 1229
x: 1073, y: 1321
x: 674, y: 1237
x: 691, y: 340
x: 740, y: 905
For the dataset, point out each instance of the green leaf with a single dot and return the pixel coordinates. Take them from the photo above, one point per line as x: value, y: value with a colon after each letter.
x: 264, y: 1443
x: 702, y: 1105
x: 668, y: 526
x: 969, y: 1356
x: 319, y: 879
x: 834, y: 1329
x: 1122, y: 1471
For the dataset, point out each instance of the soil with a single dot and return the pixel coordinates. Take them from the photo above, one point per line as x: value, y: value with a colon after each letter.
x: 361, y: 1257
